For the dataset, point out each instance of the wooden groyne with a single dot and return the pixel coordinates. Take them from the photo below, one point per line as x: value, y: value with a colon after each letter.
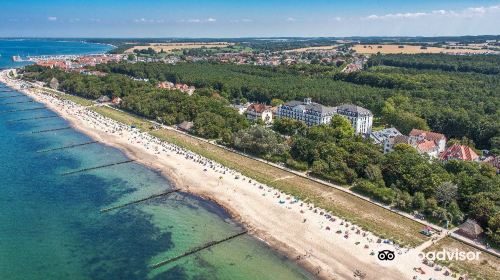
x: 43, y: 131
x: 196, y: 249
x: 12, y: 96
x: 37, y: 118
x: 96, y: 167
x: 67, y: 147
x: 23, y: 110
x: 20, y: 102
x: 138, y: 201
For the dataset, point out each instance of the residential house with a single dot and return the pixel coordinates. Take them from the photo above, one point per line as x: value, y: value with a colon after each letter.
x: 427, y: 142
x: 393, y: 141
x: 241, y: 108
x: 262, y: 112
x: 460, y: 152
x: 385, y: 137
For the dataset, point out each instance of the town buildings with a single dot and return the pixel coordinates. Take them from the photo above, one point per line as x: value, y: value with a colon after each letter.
x: 182, y: 87
x: 256, y: 112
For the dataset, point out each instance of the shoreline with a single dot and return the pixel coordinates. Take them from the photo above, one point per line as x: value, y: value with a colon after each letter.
x: 272, y: 227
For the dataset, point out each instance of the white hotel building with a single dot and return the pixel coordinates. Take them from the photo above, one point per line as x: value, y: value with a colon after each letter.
x: 315, y: 114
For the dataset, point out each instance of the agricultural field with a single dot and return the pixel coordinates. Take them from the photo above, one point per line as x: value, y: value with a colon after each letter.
x: 169, y: 47
x: 411, y: 49
x: 307, y: 49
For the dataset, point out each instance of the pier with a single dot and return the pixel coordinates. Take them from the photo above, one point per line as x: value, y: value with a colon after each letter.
x: 37, y: 118
x: 138, y: 201
x: 20, y: 102
x: 23, y: 110
x: 67, y: 147
x: 196, y: 250
x: 47, y: 130
x: 96, y: 167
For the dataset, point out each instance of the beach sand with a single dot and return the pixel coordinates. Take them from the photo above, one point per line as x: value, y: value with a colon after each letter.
x: 302, y: 232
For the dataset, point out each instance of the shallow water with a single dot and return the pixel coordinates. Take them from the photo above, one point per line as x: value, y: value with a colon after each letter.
x: 51, y: 226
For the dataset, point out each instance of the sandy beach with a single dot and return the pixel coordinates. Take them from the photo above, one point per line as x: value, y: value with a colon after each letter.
x: 328, y: 246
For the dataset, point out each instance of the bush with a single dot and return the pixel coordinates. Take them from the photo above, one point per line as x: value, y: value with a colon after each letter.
x: 382, y: 194
x: 297, y: 165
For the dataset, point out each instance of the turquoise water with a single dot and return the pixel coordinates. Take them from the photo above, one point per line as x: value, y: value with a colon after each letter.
x: 51, y: 226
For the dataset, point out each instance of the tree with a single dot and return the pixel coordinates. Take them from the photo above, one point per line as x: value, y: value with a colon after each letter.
x: 209, y: 125
x: 259, y: 140
x: 456, y: 215
x: 342, y: 127
x: 482, y: 208
x: 418, y: 201
x: 446, y: 193
x: 276, y: 102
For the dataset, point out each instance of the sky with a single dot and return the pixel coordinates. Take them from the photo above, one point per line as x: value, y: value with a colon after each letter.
x: 249, y: 18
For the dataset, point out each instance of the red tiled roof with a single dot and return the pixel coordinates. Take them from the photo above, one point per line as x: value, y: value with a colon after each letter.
x: 426, y: 145
x: 428, y: 135
x: 259, y: 108
x: 459, y: 152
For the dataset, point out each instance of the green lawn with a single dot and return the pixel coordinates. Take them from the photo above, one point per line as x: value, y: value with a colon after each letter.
x: 125, y: 118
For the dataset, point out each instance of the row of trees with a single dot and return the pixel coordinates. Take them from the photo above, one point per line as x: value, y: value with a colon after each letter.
x: 454, y: 63
x: 212, y: 116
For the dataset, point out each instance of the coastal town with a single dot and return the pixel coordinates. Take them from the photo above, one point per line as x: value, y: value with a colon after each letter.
x: 269, y: 140
x: 280, y: 118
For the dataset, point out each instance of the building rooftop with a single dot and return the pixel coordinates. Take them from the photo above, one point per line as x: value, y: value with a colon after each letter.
x: 307, y: 105
x: 428, y: 135
x: 258, y: 107
x: 459, y: 152
x: 354, y: 109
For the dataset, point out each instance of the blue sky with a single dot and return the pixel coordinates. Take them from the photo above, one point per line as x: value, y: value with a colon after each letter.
x: 218, y: 18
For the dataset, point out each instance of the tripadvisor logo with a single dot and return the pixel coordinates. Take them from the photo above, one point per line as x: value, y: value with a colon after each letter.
x: 445, y: 255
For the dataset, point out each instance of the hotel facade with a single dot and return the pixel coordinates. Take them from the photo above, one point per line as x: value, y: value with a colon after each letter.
x: 313, y: 113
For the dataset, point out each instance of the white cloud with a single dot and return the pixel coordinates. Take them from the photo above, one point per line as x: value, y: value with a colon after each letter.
x: 468, y: 12
x: 196, y: 20
x: 52, y: 18
x: 145, y: 20
x: 291, y: 19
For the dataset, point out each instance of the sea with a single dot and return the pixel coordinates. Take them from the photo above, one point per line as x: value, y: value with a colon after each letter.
x: 51, y: 226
